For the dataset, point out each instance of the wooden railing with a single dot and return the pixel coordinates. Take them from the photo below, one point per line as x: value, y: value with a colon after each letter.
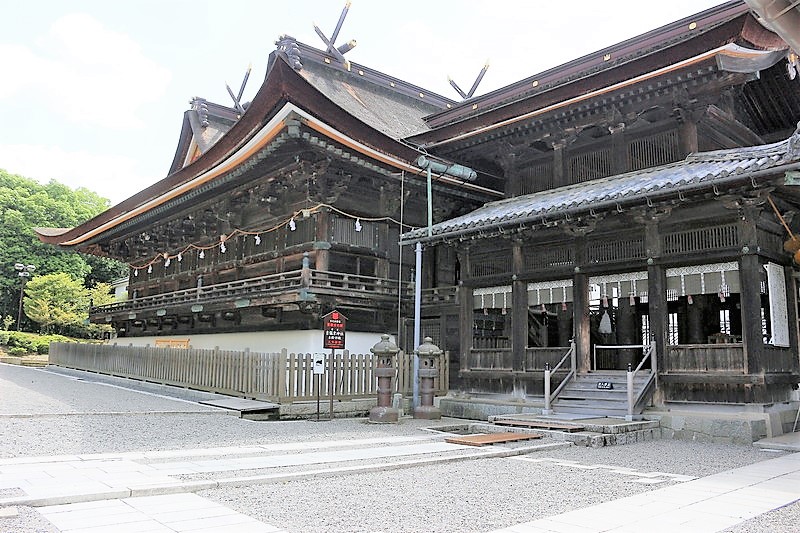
x: 778, y: 359
x: 440, y: 295
x: 726, y: 358
x: 537, y: 359
x: 490, y: 359
x: 272, y: 284
x: 613, y: 357
x: 316, y: 281
x: 280, y: 377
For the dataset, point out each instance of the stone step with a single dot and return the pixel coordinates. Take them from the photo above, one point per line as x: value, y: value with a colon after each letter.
x: 616, y: 395
x: 595, y: 413
x: 612, y: 379
x: 594, y: 402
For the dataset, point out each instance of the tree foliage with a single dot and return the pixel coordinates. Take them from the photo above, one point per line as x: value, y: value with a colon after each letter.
x: 56, y: 302
x: 60, y: 304
x: 26, y: 204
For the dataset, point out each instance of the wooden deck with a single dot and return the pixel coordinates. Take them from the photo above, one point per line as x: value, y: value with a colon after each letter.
x: 491, y: 438
x: 540, y: 424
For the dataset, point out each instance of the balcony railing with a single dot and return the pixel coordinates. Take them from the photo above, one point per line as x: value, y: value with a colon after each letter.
x: 314, y: 281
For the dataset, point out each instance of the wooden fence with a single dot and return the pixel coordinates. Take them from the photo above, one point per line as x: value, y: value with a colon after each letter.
x: 723, y: 358
x: 280, y: 377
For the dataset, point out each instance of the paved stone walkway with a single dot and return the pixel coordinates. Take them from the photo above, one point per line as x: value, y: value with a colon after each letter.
x: 139, y: 491
x: 708, y: 504
x: 167, y: 513
x: 121, y: 492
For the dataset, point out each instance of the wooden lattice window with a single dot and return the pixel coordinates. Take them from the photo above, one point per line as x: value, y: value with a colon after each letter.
x: 619, y: 250
x: 345, y: 231
x: 538, y: 176
x: 590, y: 165
x: 304, y: 231
x: 718, y: 237
x: 490, y: 265
x: 548, y: 257
x: 769, y: 241
x: 654, y: 150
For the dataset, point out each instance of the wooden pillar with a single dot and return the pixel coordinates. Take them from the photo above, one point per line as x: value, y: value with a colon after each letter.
x: 750, y: 276
x: 626, y: 330
x: 619, y: 149
x: 466, y: 318
x: 688, y: 117
x: 750, y: 300
x: 656, y: 285
x: 322, y: 244
x: 580, y: 308
x: 559, y: 170
x: 519, y: 310
x: 565, y: 330
x: 791, y: 316
x: 694, y: 317
x: 466, y: 323
x: 657, y: 309
x: 580, y: 297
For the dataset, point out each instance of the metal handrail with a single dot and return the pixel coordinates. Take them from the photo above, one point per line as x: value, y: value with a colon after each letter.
x: 649, y: 353
x: 548, y: 397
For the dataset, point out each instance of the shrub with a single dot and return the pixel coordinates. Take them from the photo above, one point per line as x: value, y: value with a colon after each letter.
x: 4, y: 336
x: 17, y: 351
x: 22, y: 340
x: 43, y: 347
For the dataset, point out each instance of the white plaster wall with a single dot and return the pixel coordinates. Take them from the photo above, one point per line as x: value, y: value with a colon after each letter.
x: 306, y: 341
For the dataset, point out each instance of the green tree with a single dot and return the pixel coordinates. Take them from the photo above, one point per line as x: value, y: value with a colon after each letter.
x: 26, y: 204
x: 57, y: 302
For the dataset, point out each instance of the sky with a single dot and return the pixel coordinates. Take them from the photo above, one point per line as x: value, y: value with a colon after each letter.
x: 92, y: 93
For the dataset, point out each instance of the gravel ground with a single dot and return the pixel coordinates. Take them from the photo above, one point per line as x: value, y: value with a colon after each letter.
x: 46, y: 414
x: 783, y: 520
x: 476, y: 495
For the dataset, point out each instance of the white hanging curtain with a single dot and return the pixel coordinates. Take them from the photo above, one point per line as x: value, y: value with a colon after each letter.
x: 716, y: 278
x: 550, y: 292
x: 492, y: 297
x: 619, y: 285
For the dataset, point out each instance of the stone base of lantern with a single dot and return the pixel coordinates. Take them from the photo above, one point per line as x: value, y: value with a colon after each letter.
x: 427, y: 412
x: 384, y: 415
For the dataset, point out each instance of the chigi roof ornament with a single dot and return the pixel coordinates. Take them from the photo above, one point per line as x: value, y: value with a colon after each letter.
x: 337, y: 52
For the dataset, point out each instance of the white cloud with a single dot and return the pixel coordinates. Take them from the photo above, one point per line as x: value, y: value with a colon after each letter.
x: 111, y: 176
x: 85, y: 72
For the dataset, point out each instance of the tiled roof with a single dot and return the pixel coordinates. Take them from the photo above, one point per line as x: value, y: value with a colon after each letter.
x: 704, y: 170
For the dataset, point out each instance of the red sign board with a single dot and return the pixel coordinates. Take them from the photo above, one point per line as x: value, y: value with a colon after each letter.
x: 333, y: 326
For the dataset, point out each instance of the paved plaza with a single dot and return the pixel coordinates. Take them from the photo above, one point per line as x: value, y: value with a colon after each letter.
x: 86, y: 453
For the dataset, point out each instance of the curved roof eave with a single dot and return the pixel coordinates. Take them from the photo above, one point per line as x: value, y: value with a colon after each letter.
x: 283, y: 92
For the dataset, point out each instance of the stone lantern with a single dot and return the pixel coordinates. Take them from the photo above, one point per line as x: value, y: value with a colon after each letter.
x: 428, y: 354
x: 386, y: 351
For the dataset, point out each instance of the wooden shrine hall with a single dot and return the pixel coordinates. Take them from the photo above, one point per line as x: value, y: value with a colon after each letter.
x: 635, y: 208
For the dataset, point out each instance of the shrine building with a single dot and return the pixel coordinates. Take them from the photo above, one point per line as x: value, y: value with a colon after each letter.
x: 635, y: 208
